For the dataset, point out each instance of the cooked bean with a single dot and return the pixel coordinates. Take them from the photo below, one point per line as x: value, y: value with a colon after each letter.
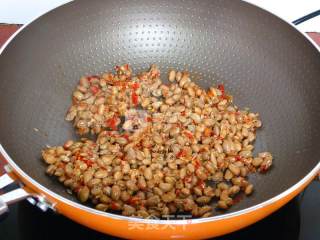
x: 142, y: 184
x: 87, y: 176
x: 178, y: 76
x: 115, y: 192
x: 172, y: 75
x: 234, y: 169
x: 147, y: 173
x: 83, y: 194
x: 228, y: 175
x: 158, y: 191
x: 128, y: 210
x: 168, y: 197
x: 249, y: 189
x: 195, y: 117
x: 102, y: 207
x: 101, y: 174
x: 153, y: 201
x: 205, y: 209
x: 243, y: 171
x: 203, y: 200
x: 234, y: 190
x: 131, y: 185
x: 222, y: 204
x: 117, y: 176
x: 96, y: 190
x: 166, y: 187
x: 173, y: 119
x: 257, y: 161
x: 49, y: 159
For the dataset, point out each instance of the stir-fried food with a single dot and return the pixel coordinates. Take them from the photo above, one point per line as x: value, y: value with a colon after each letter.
x: 161, y: 149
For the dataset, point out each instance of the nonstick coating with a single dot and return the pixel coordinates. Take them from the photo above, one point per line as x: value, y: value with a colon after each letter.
x: 264, y: 63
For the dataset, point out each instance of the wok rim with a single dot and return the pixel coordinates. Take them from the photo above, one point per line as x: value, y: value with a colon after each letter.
x: 224, y: 216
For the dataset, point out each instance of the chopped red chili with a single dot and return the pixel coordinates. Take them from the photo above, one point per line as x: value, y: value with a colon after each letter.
x: 237, y: 198
x: 238, y: 158
x: 90, y: 78
x: 201, y: 184
x: 94, y: 89
x: 77, y: 189
x: 112, y: 123
x: 221, y: 88
x: 114, y: 206
x: 126, y: 136
x: 178, y: 191
x: 197, y: 163
x: 263, y: 168
x: 61, y: 165
x: 188, y: 134
x: 135, y: 86
x: 133, y: 200
x: 134, y: 98
x: 88, y: 162
x: 182, y: 153
x: 187, y: 179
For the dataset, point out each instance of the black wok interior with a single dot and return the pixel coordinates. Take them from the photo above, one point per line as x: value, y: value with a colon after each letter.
x: 264, y: 63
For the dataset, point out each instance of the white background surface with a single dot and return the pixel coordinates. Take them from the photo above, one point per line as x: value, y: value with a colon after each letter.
x: 23, y: 11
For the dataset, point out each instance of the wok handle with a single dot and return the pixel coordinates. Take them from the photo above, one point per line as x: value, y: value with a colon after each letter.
x: 20, y: 191
x: 12, y: 196
x: 306, y: 17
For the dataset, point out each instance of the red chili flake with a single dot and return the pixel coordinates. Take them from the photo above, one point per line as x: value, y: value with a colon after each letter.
x: 178, y: 191
x: 149, y: 119
x: 182, y: 153
x: 126, y: 136
x: 263, y: 168
x: 237, y: 198
x: 90, y: 78
x: 135, y: 86
x: 220, y: 138
x: 155, y: 74
x: 61, y: 165
x: 187, y: 179
x: 88, y: 162
x: 197, y: 163
x: 188, y: 134
x: 77, y: 189
x: 114, y: 206
x: 133, y: 200
x: 238, y: 158
x: 126, y: 66
x: 201, y: 184
x: 247, y: 120
x: 183, y: 113
x: 221, y: 88
x: 94, y: 89
x: 112, y: 123
x: 202, y: 150
x: 134, y: 98
x: 225, y: 97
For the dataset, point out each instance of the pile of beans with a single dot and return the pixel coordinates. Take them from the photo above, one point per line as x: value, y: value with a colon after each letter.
x: 161, y: 149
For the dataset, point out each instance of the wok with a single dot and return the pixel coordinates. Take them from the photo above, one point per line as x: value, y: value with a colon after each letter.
x: 264, y: 62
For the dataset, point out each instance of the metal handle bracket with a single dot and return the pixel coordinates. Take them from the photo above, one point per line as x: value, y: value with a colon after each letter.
x: 12, y: 196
